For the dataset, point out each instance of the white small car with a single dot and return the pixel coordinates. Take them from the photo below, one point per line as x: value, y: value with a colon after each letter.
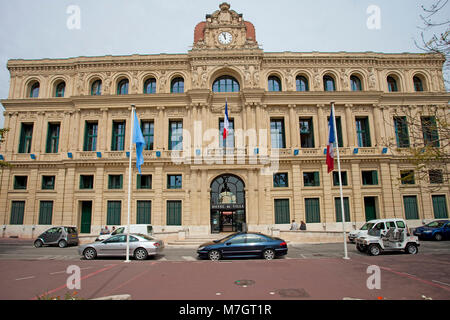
x: 395, y: 239
x: 146, y: 229
x: 382, y: 224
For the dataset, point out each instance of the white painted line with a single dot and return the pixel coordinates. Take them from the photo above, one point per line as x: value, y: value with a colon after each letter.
x: 189, y: 258
x: 26, y: 278
x: 58, y: 272
x: 303, y: 256
x: 446, y: 284
x: 288, y: 258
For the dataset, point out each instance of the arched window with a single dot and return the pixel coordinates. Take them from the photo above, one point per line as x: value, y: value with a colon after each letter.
x: 150, y: 86
x: 355, y: 83
x: 418, y: 85
x: 34, y: 90
x: 122, y: 87
x: 225, y: 84
x: 274, y: 83
x: 96, y: 88
x: 328, y: 84
x: 392, y: 84
x: 60, y: 88
x: 302, y: 83
x: 177, y: 85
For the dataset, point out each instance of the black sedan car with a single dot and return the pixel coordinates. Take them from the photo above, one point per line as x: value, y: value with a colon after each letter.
x: 243, y: 244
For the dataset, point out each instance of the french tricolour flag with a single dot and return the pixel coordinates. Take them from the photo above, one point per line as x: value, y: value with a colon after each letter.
x: 331, y: 142
x: 225, y: 122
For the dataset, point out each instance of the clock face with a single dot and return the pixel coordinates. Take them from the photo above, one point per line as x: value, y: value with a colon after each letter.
x: 225, y: 38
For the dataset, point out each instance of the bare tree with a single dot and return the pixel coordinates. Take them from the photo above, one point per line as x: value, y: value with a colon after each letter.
x: 435, y: 33
x: 422, y: 136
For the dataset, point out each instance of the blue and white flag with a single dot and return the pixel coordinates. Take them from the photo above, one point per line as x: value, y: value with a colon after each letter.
x: 138, y: 138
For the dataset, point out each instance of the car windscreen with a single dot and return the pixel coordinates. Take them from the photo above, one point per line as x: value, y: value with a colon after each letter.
x: 435, y: 224
x: 225, y: 239
x: 367, y: 226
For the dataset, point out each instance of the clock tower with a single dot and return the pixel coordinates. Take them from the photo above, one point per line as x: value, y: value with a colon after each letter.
x: 224, y: 29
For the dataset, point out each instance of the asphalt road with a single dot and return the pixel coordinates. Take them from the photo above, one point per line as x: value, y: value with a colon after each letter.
x: 309, y: 272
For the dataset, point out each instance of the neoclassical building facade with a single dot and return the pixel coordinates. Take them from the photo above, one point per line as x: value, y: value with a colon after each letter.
x: 69, y: 132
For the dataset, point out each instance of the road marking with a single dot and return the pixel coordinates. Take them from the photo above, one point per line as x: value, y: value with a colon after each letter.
x: 162, y: 259
x: 303, y: 256
x: 26, y: 278
x: 189, y: 258
x: 441, y: 282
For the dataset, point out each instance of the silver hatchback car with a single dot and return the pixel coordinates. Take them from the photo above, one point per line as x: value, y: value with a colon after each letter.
x: 141, y: 246
x: 61, y: 236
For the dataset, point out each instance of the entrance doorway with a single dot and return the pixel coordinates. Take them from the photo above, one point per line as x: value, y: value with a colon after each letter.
x: 227, y: 204
x: 370, y: 208
x: 86, y: 216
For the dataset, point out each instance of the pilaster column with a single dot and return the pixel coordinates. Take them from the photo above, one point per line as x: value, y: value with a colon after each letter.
x: 350, y: 126
x: 293, y: 126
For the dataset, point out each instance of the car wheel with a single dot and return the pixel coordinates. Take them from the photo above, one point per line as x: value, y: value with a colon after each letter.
x: 140, y: 254
x: 214, y: 255
x: 90, y: 253
x: 374, y: 249
x: 62, y: 244
x: 411, y: 248
x: 38, y: 243
x: 269, y: 254
x: 438, y: 237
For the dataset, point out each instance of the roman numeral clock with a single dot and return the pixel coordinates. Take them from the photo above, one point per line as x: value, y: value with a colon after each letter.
x: 225, y: 29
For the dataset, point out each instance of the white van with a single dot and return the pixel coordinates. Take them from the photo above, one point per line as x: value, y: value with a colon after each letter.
x: 134, y: 228
x: 382, y: 225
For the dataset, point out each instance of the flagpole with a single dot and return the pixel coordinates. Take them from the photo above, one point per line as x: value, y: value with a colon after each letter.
x: 129, y: 183
x: 340, y: 182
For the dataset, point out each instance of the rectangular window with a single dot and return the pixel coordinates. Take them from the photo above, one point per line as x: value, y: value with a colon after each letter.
x: 144, y: 212
x: 114, y: 212
x: 144, y: 181
x: 17, y: 212
x: 436, y: 176
x: 280, y: 180
x: 312, y: 209
x: 20, y: 182
x: 52, y: 138
x: 343, y: 178
x: 174, y: 181
x: 440, y: 207
x: 363, y: 132
x: 90, y: 136
x: 339, y: 131
x: 86, y: 182
x: 430, y: 132
x: 407, y: 177
x: 401, y: 132
x: 338, y: 207
x: 174, y: 213
x: 311, y: 179
x: 282, y: 212
x: 118, y: 136
x: 45, y: 212
x: 26, y: 136
x: 115, y: 181
x: 175, y: 135
x: 307, y: 133
x: 411, y: 208
x: 148, y: 128
x: 369, y: 178
x: 230, y: 134
x: 277, y: 134
x: 48, y: 182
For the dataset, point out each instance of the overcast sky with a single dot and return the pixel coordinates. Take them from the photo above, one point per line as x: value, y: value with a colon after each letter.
x: 39, y: 29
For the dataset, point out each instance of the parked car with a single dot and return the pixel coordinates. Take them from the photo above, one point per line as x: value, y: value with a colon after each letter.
x: 134, y: 228
x: 141, y: 246
x: 61, y: 236
x: 243, y: 244
x: 437, y: 230
x: 396, y: 239
x: 382, y: 224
